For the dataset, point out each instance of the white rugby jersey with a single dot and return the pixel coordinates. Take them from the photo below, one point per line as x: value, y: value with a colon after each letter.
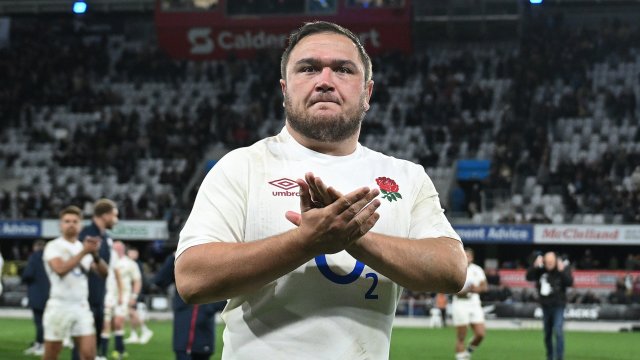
x: 73, y: 286
x: 332, y: 307
x: 129, y: 272
x: 475, y: 275
x: 112, y: 287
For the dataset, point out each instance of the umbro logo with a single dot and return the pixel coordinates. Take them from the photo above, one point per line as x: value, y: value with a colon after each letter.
x: 284, y: 184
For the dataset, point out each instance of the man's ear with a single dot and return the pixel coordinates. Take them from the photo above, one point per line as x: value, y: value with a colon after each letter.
x: 283, y: 86
x: 369, y: 89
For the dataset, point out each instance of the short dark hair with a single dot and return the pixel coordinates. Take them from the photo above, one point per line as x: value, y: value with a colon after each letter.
x: 317, y: 27
x: 103, y: 206
x: 71, y: 209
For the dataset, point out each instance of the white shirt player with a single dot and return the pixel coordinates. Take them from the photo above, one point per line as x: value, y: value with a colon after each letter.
x: 129, y: 272
x: 112, y: 286
x: 73, y: 286
x: 332, y: 307
x: 475, y: 276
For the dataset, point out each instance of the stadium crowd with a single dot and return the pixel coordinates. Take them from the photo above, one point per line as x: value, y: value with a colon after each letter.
x: 455, y: 110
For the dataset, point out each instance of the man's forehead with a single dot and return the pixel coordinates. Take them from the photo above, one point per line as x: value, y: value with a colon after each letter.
x: 318, y: 45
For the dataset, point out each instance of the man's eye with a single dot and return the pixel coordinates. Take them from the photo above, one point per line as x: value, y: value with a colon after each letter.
x: 344, y: 70
x: 307, y: 69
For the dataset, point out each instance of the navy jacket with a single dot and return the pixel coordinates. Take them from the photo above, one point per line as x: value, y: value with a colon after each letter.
x: 97, y: 284
x: 35, y: 276
x: 202, y: 331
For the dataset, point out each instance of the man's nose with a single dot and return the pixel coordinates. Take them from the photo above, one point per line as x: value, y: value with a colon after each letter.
x: 325, y: 80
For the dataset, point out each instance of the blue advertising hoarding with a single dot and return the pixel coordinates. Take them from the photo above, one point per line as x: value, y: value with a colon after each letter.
x: 20, y: 229
x: 495, y: 234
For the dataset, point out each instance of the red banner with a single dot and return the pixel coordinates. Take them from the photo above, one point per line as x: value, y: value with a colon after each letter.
x: 211, y: 42
x: 203, y: 35
x: 582, y: 279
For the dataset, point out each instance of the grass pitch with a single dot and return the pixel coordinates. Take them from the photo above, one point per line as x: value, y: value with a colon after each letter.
x: 406, y: 344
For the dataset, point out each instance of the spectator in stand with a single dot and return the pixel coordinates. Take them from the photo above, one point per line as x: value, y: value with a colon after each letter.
x: 589, y: 298
x: 619, y: 295
x: 635, y: 292
x: 35, y: 276
x: 552, y: 276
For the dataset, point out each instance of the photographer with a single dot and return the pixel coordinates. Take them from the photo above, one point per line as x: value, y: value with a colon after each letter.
x: 553, y: 277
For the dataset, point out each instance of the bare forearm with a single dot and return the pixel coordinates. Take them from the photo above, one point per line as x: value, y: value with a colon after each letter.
x: 62, y: 267
x: 219, y: 271
x: 137, y: 286
x: 437, y: 265
x: 101, y: 268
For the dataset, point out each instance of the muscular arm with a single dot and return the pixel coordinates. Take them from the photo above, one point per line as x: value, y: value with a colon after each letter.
x: 483, y: 287
x: 62, y: 267
x: 219, y: 271
x: 101, y: 268
x: 435, y: 265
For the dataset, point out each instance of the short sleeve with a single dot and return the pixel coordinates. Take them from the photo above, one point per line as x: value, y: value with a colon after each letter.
x: 481, y: 275
x: 427, y: 216
x: 52, y: 251
x: 219, y: 211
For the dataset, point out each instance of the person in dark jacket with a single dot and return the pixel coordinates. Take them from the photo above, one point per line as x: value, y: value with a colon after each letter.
x: 552, y: 276
x: 193, y: 325
x: 35, y: 277
x: 105, y: 217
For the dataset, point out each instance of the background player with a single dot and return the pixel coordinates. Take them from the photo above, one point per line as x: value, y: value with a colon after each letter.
x: 67, y: 262
x: 466, y: 309
x: 130, y: 285
x: 137, y: 313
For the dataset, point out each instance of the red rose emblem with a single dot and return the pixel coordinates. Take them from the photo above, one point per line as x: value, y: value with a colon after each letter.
x: 389, y: 188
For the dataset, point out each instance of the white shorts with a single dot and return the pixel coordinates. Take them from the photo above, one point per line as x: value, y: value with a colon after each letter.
x: 464, y: 312
x: 112, y: 308
x: 61, y: 320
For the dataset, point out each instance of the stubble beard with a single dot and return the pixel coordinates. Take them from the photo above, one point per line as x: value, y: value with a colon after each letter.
x: 332, y: 128
x: 70, y: 234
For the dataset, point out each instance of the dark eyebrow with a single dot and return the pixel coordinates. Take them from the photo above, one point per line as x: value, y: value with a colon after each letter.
x: 333, y: 64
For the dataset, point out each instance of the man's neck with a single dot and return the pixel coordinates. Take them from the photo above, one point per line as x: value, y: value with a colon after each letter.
x: 340, y: 148
x: 100, y: 224
x: 70, y: 239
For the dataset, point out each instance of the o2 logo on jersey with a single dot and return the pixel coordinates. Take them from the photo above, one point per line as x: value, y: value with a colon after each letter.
x: 321, y: 262
x: 77, y: 271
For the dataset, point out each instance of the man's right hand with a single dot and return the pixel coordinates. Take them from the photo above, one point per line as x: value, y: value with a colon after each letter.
x: 539, y: 262
x: 91, y: 244
x: 332, y: 228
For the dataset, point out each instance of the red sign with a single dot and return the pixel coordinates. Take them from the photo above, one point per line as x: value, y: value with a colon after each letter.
x: 209, y: 42
x: 582, y: 279
x: 214, y: 35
